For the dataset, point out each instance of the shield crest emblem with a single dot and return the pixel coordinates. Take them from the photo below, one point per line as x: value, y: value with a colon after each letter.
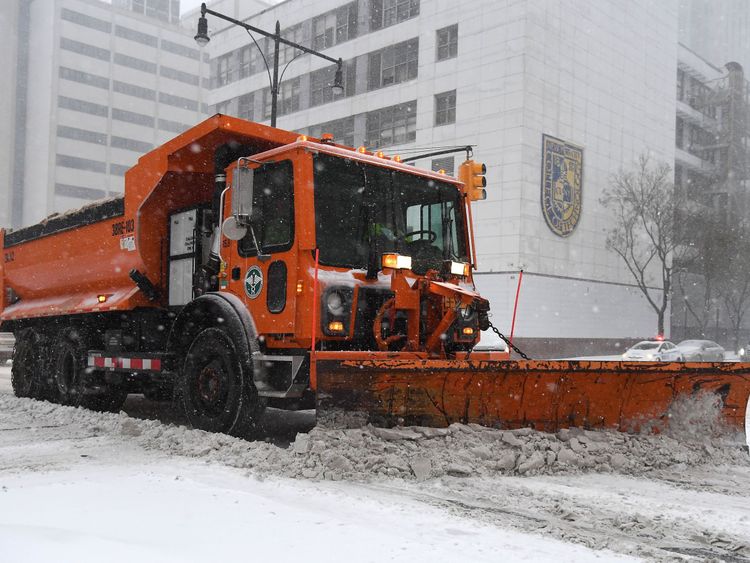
x: 562, y: 184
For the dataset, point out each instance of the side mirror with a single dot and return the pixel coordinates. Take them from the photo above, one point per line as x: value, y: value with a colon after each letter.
x: 232, y: 229
x: 242, y: 195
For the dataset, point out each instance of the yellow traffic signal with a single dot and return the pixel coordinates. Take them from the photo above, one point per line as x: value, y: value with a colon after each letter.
x: 472, y: 175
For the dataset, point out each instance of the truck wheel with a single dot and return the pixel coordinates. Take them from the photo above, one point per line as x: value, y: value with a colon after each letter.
x: 70, y: 369
x: 26, y: 375
x: 215, y: 392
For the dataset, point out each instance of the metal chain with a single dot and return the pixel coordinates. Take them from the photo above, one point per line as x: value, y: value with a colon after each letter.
x: 509, y: 343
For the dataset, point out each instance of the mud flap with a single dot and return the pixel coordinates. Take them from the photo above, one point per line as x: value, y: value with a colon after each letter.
x: 407, y: 389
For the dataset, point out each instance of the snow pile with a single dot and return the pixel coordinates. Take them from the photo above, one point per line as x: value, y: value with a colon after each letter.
x: 412, y: 453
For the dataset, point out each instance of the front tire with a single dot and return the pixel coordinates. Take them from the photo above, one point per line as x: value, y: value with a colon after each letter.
x: 215, y: 390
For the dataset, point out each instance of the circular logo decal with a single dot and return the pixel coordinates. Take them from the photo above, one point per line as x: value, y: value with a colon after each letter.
x: 253, y: 282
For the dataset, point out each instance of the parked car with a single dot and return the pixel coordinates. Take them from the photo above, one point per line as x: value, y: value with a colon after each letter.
x: 6, y: 346
x: 489, y: 341
x: 654, y: 351
x: 701, y: 351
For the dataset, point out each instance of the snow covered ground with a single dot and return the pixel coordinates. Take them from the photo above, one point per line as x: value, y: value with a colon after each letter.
x: 82, y: 486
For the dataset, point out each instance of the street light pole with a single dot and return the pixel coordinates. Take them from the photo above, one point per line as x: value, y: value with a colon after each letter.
x: 275, y: 81
x: 202, y: 39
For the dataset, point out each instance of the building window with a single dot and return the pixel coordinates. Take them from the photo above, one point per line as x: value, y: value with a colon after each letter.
x: 393, y: 65
x: 245, y: 107
x: 84, y: 20
x: 223, y: 107
x: 82, y: 106
x: 335, y: 27
x: 447, y: 42
x: 178, y: 75
x: 133, y: 90
x: 137, y: 36
x: 181, y: 50
x: 391, y: 125
x: 223, y: 71
x: 384, y: 13
x: 287, y: 52
x: 288, y: 98
x: 80, y: 163
x: 341, y: 129
x: 322, y: 80
x: 118, y: 169
x: 680, y: 84
x: 130, y: 144
x: 132, y: 62
x: 445, y: 108
x: 324, y: 30
x: 81, y: 135
x: 84, y: 49
x: 84, y: 78
x: 173, y: 126
x: 178, y: 101
x: 447, y: 164
x: 247, y: 61
x: 679, y: 132
x: 79, y: 192
x: 132, y: 117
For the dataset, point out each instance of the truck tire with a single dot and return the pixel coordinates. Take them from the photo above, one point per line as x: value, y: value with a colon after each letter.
x: 26, y: 374
x: 69, y: 374
x: 216, y: 392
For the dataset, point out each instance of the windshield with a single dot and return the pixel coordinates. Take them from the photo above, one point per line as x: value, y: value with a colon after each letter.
x: 362, y: 211
x: 646, y: 346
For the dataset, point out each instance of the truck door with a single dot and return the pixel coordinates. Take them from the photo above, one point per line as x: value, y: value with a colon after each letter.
x: 267, y: 283
x: 187, y: 246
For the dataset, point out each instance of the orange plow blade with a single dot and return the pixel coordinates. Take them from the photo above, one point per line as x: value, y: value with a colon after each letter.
x: 407, y: 389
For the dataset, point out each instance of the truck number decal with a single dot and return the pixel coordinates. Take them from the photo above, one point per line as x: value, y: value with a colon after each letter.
x: 10, y: 256
x: 121, y: 227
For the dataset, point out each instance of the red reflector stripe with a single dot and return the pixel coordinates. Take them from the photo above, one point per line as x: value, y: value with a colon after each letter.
x: 125, y: 363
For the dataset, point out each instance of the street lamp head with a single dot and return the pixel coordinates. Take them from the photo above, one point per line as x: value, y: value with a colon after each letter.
x: 338, y: 86
x: 202, y: 38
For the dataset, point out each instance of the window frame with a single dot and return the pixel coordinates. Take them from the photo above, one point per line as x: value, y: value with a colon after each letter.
x: 247, y: 250
x: 447, y: 44
x: 445, y: 113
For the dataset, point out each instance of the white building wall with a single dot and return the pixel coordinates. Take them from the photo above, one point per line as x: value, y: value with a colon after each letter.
x: 39, y: 155
x: 52, y: 185
x: 9, y: 21
x: 601, y: 76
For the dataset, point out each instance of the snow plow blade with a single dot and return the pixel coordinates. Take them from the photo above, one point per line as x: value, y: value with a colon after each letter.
x: 406, y: 389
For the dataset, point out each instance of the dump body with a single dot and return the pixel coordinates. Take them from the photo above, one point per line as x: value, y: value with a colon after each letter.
x: 62, y: 265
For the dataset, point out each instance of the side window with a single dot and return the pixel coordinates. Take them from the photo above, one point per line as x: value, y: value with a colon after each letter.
x: 273, y: 191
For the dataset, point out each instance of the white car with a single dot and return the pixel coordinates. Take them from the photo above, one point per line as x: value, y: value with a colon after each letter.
x: 489, y: 341
x: 654, y: 351
x: 701, y: 351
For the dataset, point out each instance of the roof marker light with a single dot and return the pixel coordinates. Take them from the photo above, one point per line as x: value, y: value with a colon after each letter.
x: 302, y: 138
x: 362, y: 150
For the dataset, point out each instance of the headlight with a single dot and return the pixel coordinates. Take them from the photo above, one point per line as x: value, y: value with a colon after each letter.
x: 741, y: 352
x: 649, y: 356
x: 466, y: 313
x: 335, y: 303
x: 396, y: 261
x: 456, y: 268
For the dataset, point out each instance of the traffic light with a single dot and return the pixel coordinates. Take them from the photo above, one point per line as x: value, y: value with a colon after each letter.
x: 472, y: 175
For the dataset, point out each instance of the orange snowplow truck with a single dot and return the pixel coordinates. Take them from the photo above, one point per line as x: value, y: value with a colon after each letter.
x: 248, y: 266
